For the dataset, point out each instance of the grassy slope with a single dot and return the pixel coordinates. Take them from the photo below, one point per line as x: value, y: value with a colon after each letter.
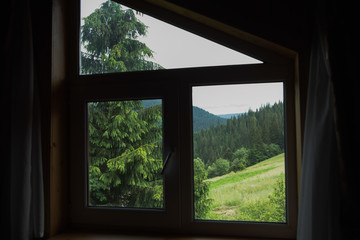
x: 236, y: 195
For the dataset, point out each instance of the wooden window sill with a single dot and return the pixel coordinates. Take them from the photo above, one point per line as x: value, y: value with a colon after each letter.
x: 85, y: 235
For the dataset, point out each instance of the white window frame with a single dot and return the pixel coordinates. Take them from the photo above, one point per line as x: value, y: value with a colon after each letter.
x: 174, y: 87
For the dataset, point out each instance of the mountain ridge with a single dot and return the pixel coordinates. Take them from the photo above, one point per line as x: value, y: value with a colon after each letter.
x: 202, y: 119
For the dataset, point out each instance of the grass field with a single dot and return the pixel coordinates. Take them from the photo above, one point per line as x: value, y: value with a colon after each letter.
x: 244, y: 195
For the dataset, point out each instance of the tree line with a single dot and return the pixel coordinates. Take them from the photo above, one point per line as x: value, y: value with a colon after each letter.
x: 243, y: 141
x: 203, y: 119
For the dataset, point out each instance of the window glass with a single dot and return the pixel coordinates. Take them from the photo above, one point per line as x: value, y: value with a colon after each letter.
x: 125, y: 154
x: 115, y: 38
x: 238, y: 151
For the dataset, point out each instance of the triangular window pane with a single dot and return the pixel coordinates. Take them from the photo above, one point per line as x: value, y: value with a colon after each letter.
x: 115, y: 38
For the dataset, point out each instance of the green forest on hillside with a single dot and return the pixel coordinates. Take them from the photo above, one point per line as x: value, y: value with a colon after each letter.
x: 204, y: 120
x: 243, y: 140
x: 224, y: 153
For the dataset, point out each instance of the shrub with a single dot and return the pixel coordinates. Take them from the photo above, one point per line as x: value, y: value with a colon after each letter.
x: 202, y: 202
x: 211, y: 171
x: 255, y: 156
x: 238, y: 165
x: 219, y: 168
x: 270, y: 209
x: 241, y: 153
x: 272, y: 150
x: 278, y: 200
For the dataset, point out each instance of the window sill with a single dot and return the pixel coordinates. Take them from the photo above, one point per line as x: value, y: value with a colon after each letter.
x: 86, y: 235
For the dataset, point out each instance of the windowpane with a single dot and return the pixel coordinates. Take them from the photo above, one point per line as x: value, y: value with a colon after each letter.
x: 125, y: 155
x: 115, y: 38
x: 238, y: 148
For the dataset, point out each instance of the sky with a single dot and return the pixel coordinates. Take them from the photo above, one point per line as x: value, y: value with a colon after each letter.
x: 177, y: 48
x: 239, y: 98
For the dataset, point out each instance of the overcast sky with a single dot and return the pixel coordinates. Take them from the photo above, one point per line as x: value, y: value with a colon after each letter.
x: 176, y: 48
x: 225, y: 99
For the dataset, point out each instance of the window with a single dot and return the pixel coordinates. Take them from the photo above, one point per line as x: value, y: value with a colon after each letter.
x: 125, y: 154
x: 173, y: 147
x: 238, y: 152
x: 147, y: 43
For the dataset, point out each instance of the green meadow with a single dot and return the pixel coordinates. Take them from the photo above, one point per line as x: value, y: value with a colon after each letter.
x: 255, y: 194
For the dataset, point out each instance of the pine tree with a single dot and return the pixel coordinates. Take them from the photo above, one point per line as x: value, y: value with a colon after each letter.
x: 125, y: 140
x: 202, y: 203
x: 110, y: 37
x: 125, y: 154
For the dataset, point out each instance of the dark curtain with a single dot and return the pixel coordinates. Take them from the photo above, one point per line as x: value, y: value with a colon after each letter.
x: 329, y: 181
x: 22, y: 204
x: 319, y: 198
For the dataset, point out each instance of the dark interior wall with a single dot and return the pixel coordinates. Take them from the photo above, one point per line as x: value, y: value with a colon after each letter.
x: 283, y: 22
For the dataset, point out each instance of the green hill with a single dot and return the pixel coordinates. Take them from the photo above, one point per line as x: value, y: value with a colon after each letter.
x: 203, y: 119
x: 261, y: 132
x: 248, y: 195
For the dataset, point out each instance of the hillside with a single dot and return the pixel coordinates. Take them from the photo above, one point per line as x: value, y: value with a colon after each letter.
x: 261, y: 133
x: 151, y: 102
x: 203, y: 119
x: 244, y: 195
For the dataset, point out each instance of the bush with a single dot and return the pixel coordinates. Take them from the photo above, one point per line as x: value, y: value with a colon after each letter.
x: 278, y: 200
x: 219, y: 168
x: 255, y: 156
x: 241, y: 153
x: 270, y: 209
x: 272, y: 150
x: 238, y: 165
x: 202, y: 202
x: 211, y: 171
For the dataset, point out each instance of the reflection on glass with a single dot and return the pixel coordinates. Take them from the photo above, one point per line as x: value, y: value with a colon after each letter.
x: 239, y: 161
x: 125, y: 154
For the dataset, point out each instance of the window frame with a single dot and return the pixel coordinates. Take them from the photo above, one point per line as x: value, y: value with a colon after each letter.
x: 279, y: 64
x: 126, y: 217
x: 250, y: 74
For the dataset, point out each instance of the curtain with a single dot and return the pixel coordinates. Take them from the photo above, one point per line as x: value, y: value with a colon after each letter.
x: 319, y: 195
x: 23, y: 199
x: 329, y: 183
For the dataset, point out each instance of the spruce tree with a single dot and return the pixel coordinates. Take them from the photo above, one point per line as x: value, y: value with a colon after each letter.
x: 125, y: 154
x: 110, y: 37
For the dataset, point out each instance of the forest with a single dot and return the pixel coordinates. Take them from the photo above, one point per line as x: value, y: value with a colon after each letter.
x: 229, y: 151
x: 242, y: 141
x: 203, y: 119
